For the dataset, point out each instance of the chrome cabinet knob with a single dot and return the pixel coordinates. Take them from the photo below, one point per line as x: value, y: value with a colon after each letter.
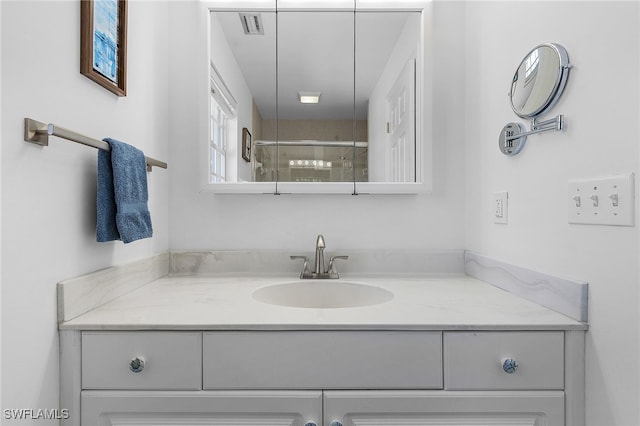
x: 335, y: 423
x: 310, y: 423
x: 509, y: 365
x: 136, y: 364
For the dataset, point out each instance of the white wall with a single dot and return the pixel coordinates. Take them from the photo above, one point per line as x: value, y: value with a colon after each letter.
x: 48, y: 194
x: 427, y: 221
x: 601, y: 105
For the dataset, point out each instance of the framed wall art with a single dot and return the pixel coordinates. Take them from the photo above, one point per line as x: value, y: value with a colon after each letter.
x: 103, y: 43
x: 246, y: 144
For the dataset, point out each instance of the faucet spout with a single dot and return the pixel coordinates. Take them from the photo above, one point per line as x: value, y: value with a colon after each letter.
x: 320, y: 245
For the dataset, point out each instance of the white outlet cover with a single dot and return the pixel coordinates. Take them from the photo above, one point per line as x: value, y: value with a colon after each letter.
x: 500, y: 207
x: 593, y: 201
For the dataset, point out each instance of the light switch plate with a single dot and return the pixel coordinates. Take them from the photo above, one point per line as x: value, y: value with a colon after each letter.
x: 500, y: 207
x: 602, y: 201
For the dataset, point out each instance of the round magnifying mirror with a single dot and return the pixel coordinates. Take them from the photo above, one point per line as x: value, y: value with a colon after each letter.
x: 539, y: 80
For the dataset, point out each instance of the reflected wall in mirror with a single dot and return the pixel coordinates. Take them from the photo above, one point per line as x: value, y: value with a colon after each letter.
x: 328, y: 96
x: 243, y: 55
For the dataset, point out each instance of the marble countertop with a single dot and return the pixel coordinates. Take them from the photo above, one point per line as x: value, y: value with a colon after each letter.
x: 224, y: 302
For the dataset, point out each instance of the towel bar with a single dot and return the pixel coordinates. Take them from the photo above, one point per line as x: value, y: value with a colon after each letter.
x: 38, y: 133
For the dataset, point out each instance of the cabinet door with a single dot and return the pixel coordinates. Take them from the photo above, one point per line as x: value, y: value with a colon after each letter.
x: 437, y: 408
x: 241, y: 408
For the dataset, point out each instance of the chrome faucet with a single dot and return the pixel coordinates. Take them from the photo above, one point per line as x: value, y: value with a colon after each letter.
x: 320, y: 271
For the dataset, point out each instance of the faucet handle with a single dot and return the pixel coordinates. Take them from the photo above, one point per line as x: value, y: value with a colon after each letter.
x: 332, y: 269
x: 305, y: 264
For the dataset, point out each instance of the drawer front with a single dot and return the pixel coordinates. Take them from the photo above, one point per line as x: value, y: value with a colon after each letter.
x: 172, y: 360
x: 475, y: 360
x: 322, y: 360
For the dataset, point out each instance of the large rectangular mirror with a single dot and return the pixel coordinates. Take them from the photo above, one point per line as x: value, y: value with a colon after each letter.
x: 315, y: 101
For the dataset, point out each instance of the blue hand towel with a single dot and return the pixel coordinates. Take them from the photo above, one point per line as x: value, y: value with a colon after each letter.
x: 122, y: 194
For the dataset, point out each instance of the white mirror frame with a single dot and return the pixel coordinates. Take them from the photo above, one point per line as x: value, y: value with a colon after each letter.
x: 424, y: 95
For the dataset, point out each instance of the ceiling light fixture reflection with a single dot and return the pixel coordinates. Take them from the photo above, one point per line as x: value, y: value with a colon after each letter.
x: 309, y: 97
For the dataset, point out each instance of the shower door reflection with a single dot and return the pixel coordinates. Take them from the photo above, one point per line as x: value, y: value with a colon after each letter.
x: 312, y: 161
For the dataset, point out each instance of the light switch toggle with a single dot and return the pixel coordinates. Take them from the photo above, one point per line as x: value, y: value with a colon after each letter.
x: 576, y: 198
x: 614, y: 199
x: 594, y: 198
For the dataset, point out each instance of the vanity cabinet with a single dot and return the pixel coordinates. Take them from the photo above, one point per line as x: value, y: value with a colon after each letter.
x: 348, y: 378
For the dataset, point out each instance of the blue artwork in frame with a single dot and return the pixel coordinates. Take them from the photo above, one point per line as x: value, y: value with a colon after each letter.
x: 103, y: 43
x: 105, y: 38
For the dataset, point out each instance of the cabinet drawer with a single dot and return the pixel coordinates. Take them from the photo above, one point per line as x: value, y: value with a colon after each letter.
x: 172, y: 360
x: 475, y: 360
x: 322, y: 360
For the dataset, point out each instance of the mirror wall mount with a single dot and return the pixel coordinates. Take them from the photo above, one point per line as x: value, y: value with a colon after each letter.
x: 536, y: 86
x: 514, y: 135
x: 511, y: 143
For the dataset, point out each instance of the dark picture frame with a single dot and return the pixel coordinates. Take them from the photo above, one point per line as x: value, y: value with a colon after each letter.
x: 246, y: 144
x: 103, y: 43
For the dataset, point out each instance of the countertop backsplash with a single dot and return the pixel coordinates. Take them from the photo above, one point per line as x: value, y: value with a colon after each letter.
x: 79, y: 295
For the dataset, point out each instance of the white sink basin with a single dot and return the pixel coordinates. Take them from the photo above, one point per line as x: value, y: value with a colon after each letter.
x: 321, y: 294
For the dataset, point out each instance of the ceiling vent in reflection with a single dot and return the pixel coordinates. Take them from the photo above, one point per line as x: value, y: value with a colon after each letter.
x: 252, y: 23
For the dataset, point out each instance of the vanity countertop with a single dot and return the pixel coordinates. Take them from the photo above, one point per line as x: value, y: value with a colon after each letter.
x: 224, y: 302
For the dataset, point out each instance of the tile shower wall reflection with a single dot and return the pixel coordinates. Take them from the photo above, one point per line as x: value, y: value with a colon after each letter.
x: 312, y: 151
